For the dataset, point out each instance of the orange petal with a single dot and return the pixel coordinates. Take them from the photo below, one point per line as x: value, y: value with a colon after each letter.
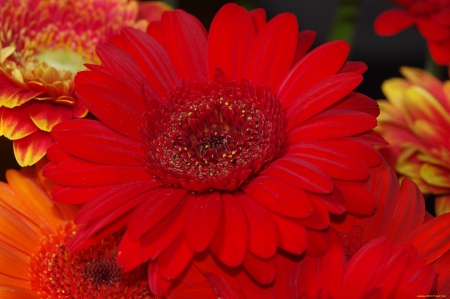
x: 13, y: 263
x: 442, y: 204
x: 16, y: 233
x: 10, y: 292
x: 46, y: 115
x: 15, y: 282
x: 429, y: 131
x: 36, y: 199
x: 16, y: 122
x: 32, y: 148
x: 423, y: 79
x: 394, y: 90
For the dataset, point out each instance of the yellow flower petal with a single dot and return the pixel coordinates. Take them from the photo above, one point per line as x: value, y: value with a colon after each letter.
x: 435, y: 175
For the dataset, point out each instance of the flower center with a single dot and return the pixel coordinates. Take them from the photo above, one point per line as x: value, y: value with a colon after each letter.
x: 62, y: 60
x: 213, y: 136
x: 57, y: 273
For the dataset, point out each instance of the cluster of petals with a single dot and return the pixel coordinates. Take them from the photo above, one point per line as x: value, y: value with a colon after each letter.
x: 432, y: 19
x: 34, y: 258
x: 234, y: 142
x: 42, y: 45
x: 399, y: 252
x: 415, y: 120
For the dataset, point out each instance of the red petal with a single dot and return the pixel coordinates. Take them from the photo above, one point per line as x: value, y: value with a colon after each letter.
x: 359, y: 200
x: 55, y: 154
x: 75, y: 172
x: 186, y: 45
x: 93, y: 141
x: 279, y: 197
x: 300, y: 173
x: 292, y: 236
x: 202, y: 219
x: 155, y: 208
x: 336, y: 163
x: 114, y: 198
x: 332, y: 124
x: 11, y: 96
x: 121, y: 65
x: 432, y: 30
x: 320, y: 97
x: 443, y: 274
x: 71, y: 195
x: 318, y: 242
x: 439, y: 52
x: 32, y: 148
x: 128, y: 256
x: 46, y: 115
x: 263, y: 271
x: 123, y: 114
x: 271, y: 55
x: 16, y: 122
x: 230, y: 37
x: 358, y: 102
x: 354, y: 67
x: 157, y: 283
x: 324, y: 61
x: 154, y: 242
x: 353, y: 146
x: 431, y: 239
x: 262, y: 240
x: 305, y: 40
x: 175, y: 259
x: 333, y: 203
x: 259, y: 19
x: 324, y: 272
x: 220, y: 286
x: 393, y: 21
x: 153, y: 61
x: 319, y: 219
x: 154, y: 29
x: 230, y: 242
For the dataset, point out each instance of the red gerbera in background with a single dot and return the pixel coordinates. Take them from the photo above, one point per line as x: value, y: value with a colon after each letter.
x: 432, y: 19
x: 230, y: 141
x: 409, y: 259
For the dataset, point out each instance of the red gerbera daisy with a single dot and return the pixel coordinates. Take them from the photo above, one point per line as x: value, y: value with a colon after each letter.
x: 432, y: 19
x: 231, y: 141
x: 410, y: 259
x: 401, y: 217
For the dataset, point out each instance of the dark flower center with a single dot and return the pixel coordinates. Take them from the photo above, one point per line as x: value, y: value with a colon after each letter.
x: 56, y: 273
x: 213, y: 136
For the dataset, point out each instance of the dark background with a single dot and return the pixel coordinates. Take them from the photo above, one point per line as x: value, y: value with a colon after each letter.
x: 383, y: 55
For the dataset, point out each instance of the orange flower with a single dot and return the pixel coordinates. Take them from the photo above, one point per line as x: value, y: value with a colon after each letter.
x: 34, y: 260
x: 415, y: 120
x: 43, y: 43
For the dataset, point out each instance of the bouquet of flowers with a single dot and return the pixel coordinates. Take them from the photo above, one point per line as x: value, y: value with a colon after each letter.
x: 160, y: 159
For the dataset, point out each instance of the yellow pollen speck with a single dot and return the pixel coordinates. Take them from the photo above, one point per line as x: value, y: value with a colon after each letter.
x: 249, y: 118
x: 224, y: 155
x: 189, y: 113
x: 226, y: 103
x: 233, y: 152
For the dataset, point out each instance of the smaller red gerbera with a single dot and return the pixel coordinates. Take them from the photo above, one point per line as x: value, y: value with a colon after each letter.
x: 431, y: 17
x: 401, y: 217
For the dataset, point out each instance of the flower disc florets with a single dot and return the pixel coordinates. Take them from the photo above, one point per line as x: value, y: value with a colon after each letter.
x: 214, y: 136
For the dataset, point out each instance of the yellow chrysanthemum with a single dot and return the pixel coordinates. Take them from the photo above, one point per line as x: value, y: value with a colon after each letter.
x: 415, y: 120
x: 34, y: 260
x: 43, y: 43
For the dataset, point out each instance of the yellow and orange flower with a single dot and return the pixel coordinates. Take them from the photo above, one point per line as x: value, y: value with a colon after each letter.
x: 415, y: 120
x: 34, y: 260
x: 43, y: 43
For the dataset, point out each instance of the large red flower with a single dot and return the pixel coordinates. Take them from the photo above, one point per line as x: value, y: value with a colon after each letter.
x: 432, y: 19
x: 230, y: 141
